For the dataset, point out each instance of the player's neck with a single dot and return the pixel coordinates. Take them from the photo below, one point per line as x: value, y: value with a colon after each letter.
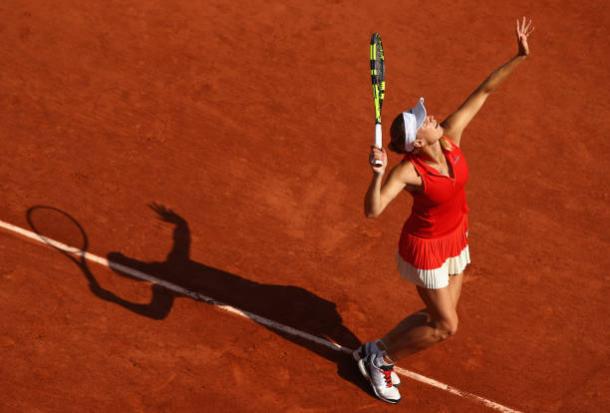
x: 434, y: 152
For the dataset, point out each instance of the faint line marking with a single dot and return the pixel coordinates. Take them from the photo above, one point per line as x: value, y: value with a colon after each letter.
x: 246, y: 314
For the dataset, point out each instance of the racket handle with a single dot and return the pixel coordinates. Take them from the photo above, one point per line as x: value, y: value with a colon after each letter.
x: 378, y: 142
x: 378, y: 135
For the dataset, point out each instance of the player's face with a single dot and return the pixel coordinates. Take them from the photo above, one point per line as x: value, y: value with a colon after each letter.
x: 430, y: 131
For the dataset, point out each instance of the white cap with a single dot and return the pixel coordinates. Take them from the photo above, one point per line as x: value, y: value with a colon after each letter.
x: 413, y: 119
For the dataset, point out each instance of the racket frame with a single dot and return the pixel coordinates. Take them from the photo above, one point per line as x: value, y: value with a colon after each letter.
x: 377, y: 67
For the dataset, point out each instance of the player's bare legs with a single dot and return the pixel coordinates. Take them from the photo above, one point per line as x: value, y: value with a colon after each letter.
x: 455, y: 287
x: 424, y: 329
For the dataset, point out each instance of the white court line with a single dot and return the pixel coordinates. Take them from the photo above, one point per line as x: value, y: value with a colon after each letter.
x: 261, y: 320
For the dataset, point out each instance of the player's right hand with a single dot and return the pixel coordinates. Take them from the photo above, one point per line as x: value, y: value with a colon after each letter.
x: 377, y: 153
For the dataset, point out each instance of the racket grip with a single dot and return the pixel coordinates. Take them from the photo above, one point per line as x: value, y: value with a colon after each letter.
x: 378, y: 142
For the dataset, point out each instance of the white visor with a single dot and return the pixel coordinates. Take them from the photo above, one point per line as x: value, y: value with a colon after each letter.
x: 413, y: 119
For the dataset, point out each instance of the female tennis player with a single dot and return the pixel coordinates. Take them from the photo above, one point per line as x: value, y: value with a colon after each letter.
x: 433, y: 247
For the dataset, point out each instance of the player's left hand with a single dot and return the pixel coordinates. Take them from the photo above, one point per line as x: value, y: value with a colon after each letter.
x: 523, y: 31
x: 166, y: 214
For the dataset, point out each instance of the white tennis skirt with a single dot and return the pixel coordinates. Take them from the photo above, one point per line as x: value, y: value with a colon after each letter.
x: 436, y: 277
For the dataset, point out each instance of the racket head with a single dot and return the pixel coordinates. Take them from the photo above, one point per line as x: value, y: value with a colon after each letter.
x: 59, y: 230
x: 377, y: 65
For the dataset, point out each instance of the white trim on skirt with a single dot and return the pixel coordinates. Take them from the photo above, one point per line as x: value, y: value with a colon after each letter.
x: 436, y: 277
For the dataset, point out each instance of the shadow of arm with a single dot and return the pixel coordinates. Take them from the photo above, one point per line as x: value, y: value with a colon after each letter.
x: 158, y: 308
x: 181, y: 249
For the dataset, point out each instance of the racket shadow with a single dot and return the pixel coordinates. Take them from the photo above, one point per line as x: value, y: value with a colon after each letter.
x: 289, y: 305
x: 76, y: 251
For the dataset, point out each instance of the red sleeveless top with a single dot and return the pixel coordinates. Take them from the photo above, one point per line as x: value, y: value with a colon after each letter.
x: 436, y: 228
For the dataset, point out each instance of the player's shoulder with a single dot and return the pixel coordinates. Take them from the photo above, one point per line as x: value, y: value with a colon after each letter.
x: 454, y: 142
x: 406, y: 172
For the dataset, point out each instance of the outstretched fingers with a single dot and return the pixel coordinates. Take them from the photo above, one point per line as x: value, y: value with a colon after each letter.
x: 530, y: 32
x: 524, y: 28
x: 529, y: 23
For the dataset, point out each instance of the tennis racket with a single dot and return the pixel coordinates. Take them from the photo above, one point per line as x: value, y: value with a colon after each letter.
x: 378, y: 81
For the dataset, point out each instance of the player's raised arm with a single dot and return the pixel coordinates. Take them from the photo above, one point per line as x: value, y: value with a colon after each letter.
x: 380, y: 194
x: 455, y: 123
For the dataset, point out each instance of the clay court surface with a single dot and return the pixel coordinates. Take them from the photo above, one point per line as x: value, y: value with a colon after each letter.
x: 252, y: 121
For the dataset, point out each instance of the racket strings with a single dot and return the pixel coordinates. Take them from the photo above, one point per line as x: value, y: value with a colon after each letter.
x: 377, y: 68
x: 380, y: 69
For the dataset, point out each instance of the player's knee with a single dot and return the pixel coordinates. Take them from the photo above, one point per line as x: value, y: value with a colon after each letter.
x: 452, y: 327
x: 448, y: 326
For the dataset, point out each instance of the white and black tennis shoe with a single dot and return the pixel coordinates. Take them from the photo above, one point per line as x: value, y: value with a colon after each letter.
x: 371, y: 348
x: 379, y: 374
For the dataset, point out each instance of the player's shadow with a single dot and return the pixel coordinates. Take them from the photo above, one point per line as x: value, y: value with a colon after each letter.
x: 292, y: 306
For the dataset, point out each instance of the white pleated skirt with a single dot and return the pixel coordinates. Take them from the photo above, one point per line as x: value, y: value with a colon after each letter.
x: 437, y: 277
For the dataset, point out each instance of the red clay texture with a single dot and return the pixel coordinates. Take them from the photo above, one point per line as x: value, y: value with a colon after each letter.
x: 252, y: 122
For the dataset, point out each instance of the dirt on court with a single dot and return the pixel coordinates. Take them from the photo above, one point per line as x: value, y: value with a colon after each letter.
x: 252, y: 122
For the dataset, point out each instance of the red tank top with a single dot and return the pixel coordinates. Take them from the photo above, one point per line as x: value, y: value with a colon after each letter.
x: 438, y: 224
x: 440, y: 208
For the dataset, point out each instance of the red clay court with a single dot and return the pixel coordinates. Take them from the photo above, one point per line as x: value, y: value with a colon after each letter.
x: 251, y: 121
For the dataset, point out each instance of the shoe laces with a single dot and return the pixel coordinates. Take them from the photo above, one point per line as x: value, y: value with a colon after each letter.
x: 387, y: 375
